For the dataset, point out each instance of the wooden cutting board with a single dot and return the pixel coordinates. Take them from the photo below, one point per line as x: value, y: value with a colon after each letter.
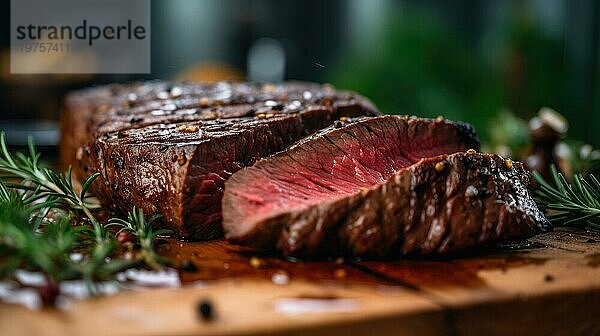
x: 547, y: 285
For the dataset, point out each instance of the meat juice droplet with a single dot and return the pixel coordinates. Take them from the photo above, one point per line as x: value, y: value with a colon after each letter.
x: 340, y: 273
x: 257, y: 262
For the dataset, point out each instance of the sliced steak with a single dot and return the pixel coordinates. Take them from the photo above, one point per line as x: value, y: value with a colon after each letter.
x: 169, y: 147
x: 379, y: 187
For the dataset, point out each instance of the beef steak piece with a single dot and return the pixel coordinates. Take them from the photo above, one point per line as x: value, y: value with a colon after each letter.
x: 379, y: 187
x: 169, y: 147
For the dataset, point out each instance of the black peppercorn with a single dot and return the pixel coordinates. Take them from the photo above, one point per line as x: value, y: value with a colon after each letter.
x: 205, y: 310
x: 278, y: 107
x: 188, y: 266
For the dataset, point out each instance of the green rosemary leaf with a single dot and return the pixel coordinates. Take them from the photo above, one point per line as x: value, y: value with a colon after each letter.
x: 5, y: 194
x: 87, y: 184
x: 576, y: 204
x: 163, y: 232
x: 4, y: 150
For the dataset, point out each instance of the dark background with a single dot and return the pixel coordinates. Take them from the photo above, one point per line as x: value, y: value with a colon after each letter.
x: 489, y: 62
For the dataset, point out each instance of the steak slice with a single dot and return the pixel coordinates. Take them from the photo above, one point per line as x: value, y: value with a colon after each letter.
x: 379, y: 187
x: 169, y: 147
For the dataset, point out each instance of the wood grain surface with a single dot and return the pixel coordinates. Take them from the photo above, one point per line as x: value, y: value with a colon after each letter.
x: 546, y: 285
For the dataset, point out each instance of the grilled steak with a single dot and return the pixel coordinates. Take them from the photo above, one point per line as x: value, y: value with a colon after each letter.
x: 364, y: 189
x: 168, y: 148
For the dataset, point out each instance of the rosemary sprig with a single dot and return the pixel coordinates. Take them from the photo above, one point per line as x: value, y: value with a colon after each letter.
x: 566, y: 204
x: 40, y: 183
x: 137, y: 225
x: 37, y: 209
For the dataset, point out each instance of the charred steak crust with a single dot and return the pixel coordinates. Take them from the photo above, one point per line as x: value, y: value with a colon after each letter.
x: 169, y: 147
x: 345, y: 204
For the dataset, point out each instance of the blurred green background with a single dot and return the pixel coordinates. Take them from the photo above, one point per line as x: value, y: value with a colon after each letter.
x: 492, y: 63
x: 483, y: 62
